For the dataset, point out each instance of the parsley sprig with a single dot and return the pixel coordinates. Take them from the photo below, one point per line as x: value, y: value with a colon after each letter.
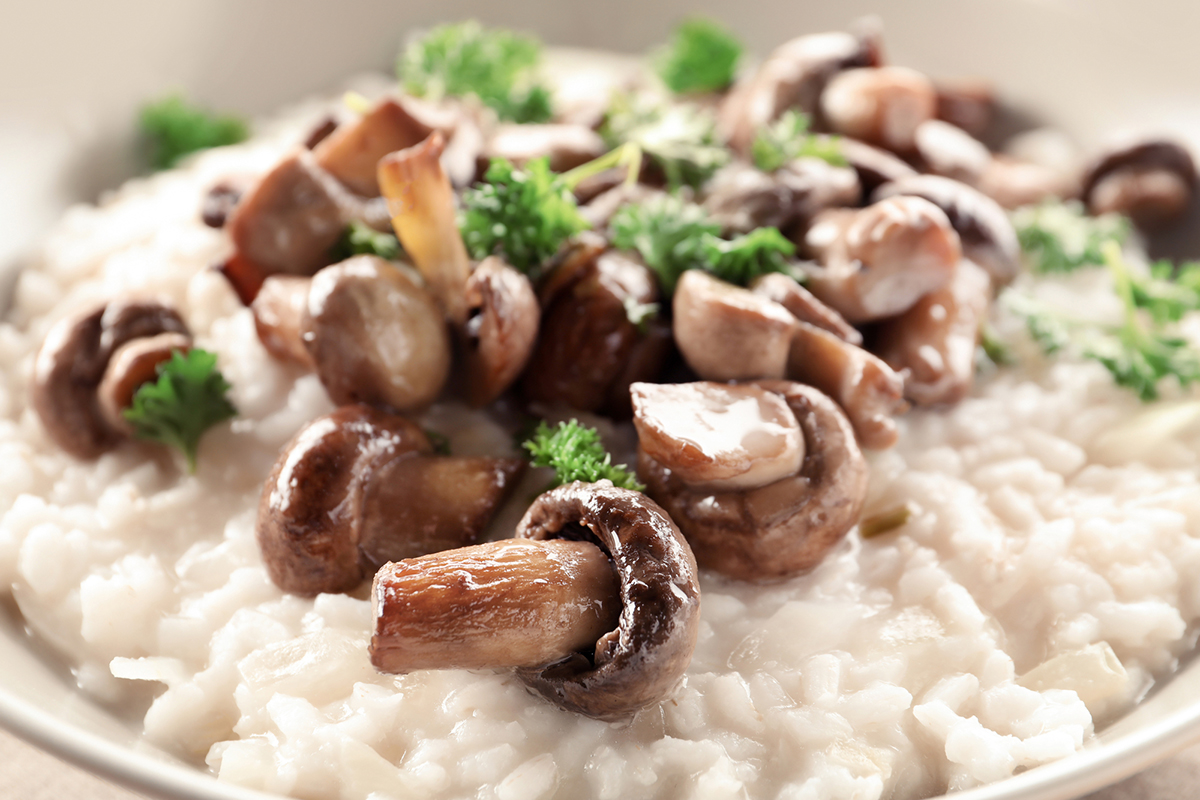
x: 361, y: 239
x: 702, y: 56
x: 1061, y: 237
x: 523, y: 214
x: 576, y: 454
x: 673, y: 236
x: 188, y: 398
x: 789, y: 138
x: 173, y: 128
x: 680, y: 138
x: 496, y: 65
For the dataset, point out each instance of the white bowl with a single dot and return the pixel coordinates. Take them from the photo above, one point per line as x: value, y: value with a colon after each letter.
x: 76, y: 73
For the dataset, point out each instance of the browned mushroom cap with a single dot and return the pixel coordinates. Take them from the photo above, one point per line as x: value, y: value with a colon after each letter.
x: 71, y: 364
x: 641, y: 661
x: 948, y: 150
x: 874, y: 165
x: 784, y: 527
x: 132, y: 364
x: 988, y: 237
x: 935, y: 339
x: 866, y: 388
x: 878, y: 261
x: 501, y: 329
x: 793, y: 76
x: 332, y: 507
x: 375, y: 335
x: 587, y: 338
x: 1152, y: 182
x: 567, y: 146
x: 882, y: 106
x: 278, y: 310
x: 740, y: 198
x: 804, y: 305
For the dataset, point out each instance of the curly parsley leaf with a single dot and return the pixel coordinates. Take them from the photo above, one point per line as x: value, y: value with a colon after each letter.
x: 173, y: 128
x: 522, y: 214
x: 576, y: 454
x: 188, y: 398
x: 496, y: 65
x: 673, y: 236
x: 1167, y: 293
x: 361, y: 239
x: 789, y: 138
x: 680, y: 138
x: 702, y: 56
x: 1061, y: 237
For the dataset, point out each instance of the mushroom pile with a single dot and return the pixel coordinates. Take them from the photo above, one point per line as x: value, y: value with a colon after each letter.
x: 753, y: 401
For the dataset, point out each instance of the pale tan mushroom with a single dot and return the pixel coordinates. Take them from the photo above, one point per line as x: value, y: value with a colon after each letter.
x: 740, y: 198
x: 804, y: 305
x: 566, y: 146
x: 882, y: 106
x: 278, y: 312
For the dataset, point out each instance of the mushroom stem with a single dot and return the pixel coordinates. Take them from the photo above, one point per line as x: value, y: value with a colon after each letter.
x: 421, y: 201
x: 512, y: 603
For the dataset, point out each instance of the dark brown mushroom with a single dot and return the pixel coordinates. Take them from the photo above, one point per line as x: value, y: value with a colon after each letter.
x: 948, y: 150
x: 876, y: 262
x: 988, y: 237
x: 359, y: 486
x: 278, y: 311
x: 969, y: 104
x: 72, y: 362
x: 804, y: 305
x: 727, y: 333
x: 352, y: 152
x: 567, y: 146
x: 783, y: 527
x: 220, y: 201
x: 882, y: 106
x: 1150, y: 181
x: 934, y: 341
x: 131, y: 365
x: 501, y: 328
x: 375, y: 335
x: 874, y: 166
x: 740, y: 198
x: 642, y: 660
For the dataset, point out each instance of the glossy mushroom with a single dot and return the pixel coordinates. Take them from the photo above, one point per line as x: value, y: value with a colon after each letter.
x: 1150, y: 181
x: 359, y: 487
x: 874, y: 165
x: 804, y: 305
x: 73, y: 361
x: 740, y: 198
x: 131, y: 365
x: 882, y: 106
x: 565, y: 145
x: 501, y: 328
x: 278, y: 312
x: 779, y: 528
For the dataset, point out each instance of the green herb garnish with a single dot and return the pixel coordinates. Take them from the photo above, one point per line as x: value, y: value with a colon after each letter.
x: 361, y: 239
x: 789, y: 138
x: 576, y: 454
x: 1061, y: 237
x: 673, y: 236
x: 680, y: 138
x: 173, y: 129
x: 702, y: 56
x: 188, y: 398
x: 496, y: 65
x: 522, y: 214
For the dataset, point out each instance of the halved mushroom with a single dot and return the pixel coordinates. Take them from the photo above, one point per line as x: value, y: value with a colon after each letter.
x: 878, y: 261
x: 727, y: 333
x: 934, y: 341
x: 501, y: 328
x: 72, y: 362
x: 278, y: 311
x: 567, y: 146
x: 640, y: 661
x: 1150, y: 181
x: 883, y: 105
x: 375, y: 335
x: 987, y: 235
x: 740, y: 198
x: 804, y: 305
x: 359, y: 486
x: 773, y: 530
x: 131, y: 365
x: 792, y: 76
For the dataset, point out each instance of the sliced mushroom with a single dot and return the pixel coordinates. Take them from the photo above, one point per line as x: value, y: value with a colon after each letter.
x: 988, y: 237
x: 934, y: 341
x: 352, y: 152
x: 874, y: 166
x: 278, y: 311
x: 511, y: 603
x: 1151, y: 181
x: 866, y: 388
x: 641, y: 661
x: 793, y: 76
x: 781, y: 528
x: 567, y: 146
x: 878, y: 261
x: 131, y: 365
x: 72, y: 362
x: 375, y: 335
x: 341, y: 498
x: 587, y: 338
x: 727, y: 333
x: 883, y: 105
x: 501, y: 328
x: 740, y: 198
x: 804, y: 305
